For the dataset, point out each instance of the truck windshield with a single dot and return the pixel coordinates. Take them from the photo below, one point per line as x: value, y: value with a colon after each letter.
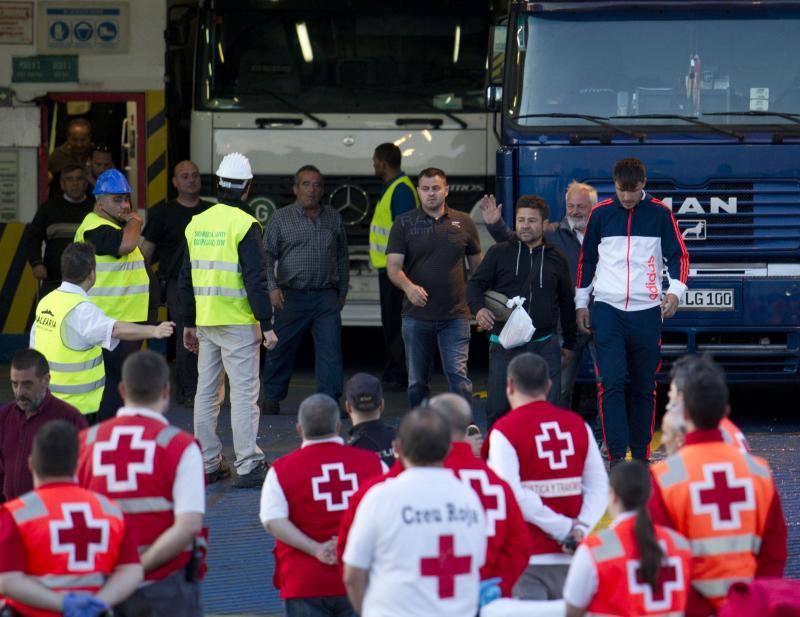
x: 343, y: 56
x: 708, y: 64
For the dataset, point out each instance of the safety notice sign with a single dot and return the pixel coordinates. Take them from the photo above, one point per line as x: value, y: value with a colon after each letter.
x: 16, y: 23
x: 82, y: 28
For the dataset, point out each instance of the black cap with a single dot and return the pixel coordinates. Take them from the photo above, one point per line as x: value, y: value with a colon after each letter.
x: 364, y: 392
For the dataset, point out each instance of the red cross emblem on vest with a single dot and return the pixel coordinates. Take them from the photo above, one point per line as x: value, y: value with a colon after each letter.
x: 446, y: 566
x: 554, y: 445
x: 123, y: 457
x: 722, y: 495
x: 669, y: 580
x: 334, y: 487
x: 78, y: 535
x: 492, y: 496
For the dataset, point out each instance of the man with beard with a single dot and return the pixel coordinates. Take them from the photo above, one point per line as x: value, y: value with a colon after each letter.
x: 567, y: 236
x: 32, y: 408
x: 526, y: 266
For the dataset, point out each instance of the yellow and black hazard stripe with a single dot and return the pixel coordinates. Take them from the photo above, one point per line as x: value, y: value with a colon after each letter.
x: 17, y: 285
x: 157, y: 164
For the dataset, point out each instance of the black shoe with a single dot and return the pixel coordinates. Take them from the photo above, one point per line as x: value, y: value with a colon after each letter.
x: 254, y: 478
x: 270, y: 408
x: 223, y: 471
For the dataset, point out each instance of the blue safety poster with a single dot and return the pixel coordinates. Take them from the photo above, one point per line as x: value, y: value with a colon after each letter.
x: 78, y: 27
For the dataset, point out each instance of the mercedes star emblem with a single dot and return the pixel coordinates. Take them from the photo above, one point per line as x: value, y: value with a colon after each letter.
x: 351, y: 202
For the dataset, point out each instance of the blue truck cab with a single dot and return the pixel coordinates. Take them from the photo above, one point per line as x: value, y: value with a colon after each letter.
x: 707, y: 95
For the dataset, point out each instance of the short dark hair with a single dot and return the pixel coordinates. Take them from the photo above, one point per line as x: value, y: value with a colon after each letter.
x: 529, y: 372
x: 68, y: 169
x: 424, y: 436
x: 305, y: 168
x: 628, y: 173
x: 535, y: 203
x: 705, y: 393
x: 432, y: 172
x: 144, y: 373
x: 77, y: 262
x: 389, y: 154
x: 25, y: 359
x: 228, y: 194
x: 55, y: 450
x: 318, y: 415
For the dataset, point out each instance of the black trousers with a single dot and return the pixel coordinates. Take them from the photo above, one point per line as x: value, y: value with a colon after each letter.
x: 113, y: 360
x: 185, y: 360
x: 391, y: 319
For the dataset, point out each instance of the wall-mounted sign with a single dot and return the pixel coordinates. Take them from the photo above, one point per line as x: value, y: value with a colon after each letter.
x: 77, y: 27
x: 16, y: 23
x: 44, y: 69
x: 9, y: 185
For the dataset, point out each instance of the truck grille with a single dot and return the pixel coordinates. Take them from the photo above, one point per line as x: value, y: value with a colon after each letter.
x: 765, y: 216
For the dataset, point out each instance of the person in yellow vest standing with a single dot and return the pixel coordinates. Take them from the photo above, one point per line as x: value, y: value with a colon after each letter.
x: 399, y: 195
x: 223, y: 296
x: 122, y: 287
x: 72, y: 333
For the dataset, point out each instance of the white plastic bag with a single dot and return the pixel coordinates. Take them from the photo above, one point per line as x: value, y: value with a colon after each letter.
x: 519, y: 327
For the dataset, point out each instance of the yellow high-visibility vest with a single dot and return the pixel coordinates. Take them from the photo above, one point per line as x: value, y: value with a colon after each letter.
x: 77, y: 376
x: 382, y: 222
x: 213, y: 239
x: 122, y: 289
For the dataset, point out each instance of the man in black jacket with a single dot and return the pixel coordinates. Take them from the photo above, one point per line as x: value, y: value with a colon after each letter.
x: 526, y: 266
x: 54, y: 225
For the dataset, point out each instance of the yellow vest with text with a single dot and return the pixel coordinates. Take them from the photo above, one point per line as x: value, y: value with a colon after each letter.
x: 77, y: 376
x: 122, y: 289
x: 382, y: 222
x: 213, y: 239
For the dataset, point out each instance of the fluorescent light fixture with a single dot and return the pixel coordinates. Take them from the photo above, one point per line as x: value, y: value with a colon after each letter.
x: 427, y: 135
x: 208, y: 90
x: 400, y: 141
x: 457, y: 44
x: 219, y: 51
x: 408, y: 152
x: 305, y: 42
x: 205, y: 30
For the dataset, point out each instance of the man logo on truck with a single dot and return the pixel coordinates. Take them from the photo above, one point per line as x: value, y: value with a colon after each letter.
x: 692, y: 205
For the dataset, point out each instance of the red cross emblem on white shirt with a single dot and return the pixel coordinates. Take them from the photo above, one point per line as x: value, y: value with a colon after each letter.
x: 492, y: 497
x: 79, y: 535
x: 670, y: 579
x: 122, y: 457
x: 722, y: 495
x: 554, y: 445
x: 446, y: 566
x: 334, y: 487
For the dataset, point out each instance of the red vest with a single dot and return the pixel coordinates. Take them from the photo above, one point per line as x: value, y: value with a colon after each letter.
x: 621, y: 589
x: 134, y: 459
x: 507, y: 550
x: 551, y: 445
x: 318, y: 482
x: 72, y: 539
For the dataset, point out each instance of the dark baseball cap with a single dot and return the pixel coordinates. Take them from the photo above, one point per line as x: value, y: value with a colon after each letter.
x: 364, y: 392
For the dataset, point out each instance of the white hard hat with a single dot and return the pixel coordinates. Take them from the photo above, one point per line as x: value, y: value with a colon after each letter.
x: 234, y: 166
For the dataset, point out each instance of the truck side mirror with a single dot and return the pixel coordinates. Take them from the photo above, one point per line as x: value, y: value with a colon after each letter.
x: 495, y: 63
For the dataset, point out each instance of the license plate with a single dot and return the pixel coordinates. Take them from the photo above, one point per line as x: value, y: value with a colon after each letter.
x: 708, y: 300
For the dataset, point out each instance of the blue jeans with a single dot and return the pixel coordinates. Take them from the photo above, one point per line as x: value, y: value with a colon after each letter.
x: 452, y: 337
x: 499, y: 359
x: 333, y: 606
x: 628, y: 344
x: 319, y: 311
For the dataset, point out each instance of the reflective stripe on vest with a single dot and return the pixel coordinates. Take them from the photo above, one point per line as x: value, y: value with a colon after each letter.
x: 382, y: 222
x: 74, y: 581
x: 122, y: 289
x: 717, y: 587
x: 213, y: 239
x: 76, y: 376
x: 140, y: 505
x: 745, y: 543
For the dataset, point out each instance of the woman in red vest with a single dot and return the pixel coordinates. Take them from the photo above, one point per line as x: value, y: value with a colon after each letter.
x: 633, y: 567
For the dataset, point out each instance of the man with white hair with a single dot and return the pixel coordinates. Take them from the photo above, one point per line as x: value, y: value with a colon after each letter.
x: 567, y: 236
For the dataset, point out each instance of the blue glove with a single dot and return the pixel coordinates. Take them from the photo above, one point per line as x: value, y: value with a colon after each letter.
x: 489, y: 591
x: 82, y: 604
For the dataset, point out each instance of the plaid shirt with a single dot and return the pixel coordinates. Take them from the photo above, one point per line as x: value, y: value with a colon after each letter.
x: 310, y: 254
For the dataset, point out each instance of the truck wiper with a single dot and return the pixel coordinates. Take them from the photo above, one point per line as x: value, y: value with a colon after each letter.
x: 777, y: 114
x: 294, y: 107
x: 690, y: 119
x: 601, y: 120
x: 422, y: 99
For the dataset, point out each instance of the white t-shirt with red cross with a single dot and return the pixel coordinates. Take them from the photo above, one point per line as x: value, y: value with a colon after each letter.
x: 422, y: 536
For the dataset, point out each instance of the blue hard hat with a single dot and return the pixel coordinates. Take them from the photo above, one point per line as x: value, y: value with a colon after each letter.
x: 111, y: 182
